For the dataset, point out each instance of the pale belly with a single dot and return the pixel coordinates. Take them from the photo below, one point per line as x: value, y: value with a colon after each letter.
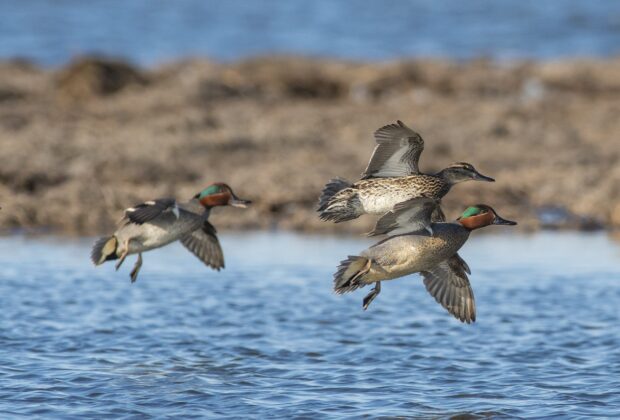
x: 141, y: 238
x: 408, y: 254
x: 156, y: 237
x: 381, y: 204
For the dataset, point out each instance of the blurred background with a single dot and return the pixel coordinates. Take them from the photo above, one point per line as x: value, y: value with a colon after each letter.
x: 106, y: 103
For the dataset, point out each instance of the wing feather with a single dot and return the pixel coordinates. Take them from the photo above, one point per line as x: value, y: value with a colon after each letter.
x: 448, y: 284
x: 408, y: 216
x: 150, y: 210
x: 397, y: 152
x: 203, y: 243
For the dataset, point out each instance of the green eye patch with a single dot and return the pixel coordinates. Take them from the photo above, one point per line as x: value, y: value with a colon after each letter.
x: 471, y: 211
x: 213, y: 189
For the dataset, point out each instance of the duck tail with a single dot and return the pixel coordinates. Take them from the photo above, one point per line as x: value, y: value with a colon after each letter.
x: 339, y: 202
x: 350, y: 272
x: 104, y: 250
x: 331, y: 188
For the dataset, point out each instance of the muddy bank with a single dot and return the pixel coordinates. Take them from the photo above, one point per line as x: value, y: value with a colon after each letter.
x: 79, y: 144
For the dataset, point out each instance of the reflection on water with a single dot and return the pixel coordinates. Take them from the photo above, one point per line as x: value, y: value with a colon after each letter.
x: 267, y: 336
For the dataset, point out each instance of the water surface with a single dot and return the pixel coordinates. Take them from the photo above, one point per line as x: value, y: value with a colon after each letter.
x: 267, y: 337
x: 147, y: 31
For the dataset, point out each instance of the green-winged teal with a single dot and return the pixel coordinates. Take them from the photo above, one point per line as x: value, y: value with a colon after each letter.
x: 392, y: 176
x: 156, y: 223
x: 428, y: 248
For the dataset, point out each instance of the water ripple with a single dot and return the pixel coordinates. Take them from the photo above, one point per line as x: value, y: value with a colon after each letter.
x: 258, y: 339
x: 52, y: 32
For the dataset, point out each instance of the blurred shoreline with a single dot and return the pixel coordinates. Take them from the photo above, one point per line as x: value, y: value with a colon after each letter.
x: 81, y: 142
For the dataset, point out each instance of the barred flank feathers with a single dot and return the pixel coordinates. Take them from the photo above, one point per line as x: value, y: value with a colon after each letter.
x: 347, y: 277
x: 104, y: 250
x: 338, y: 203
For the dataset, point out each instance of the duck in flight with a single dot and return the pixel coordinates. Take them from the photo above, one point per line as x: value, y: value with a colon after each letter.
x: 417, y: 245
x: 156, y: 223
x: 392, y: 177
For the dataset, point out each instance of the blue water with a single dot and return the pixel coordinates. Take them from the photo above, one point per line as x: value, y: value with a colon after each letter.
x: 267, y: 337
x: 148, y: 31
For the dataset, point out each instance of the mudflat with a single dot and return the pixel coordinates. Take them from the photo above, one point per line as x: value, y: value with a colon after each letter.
x: 80, y: 143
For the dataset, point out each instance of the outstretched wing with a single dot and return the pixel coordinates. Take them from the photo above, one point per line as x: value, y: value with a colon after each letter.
x: 150, y: 210
x: 204, y: 244
x: 461, y: 263
x: 408, y: 216
x: 448, y: 284
x: 397, y: 152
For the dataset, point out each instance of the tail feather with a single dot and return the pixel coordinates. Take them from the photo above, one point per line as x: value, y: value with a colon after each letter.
x: 349, y: 274
x: 104, y: 250
x: 331, y: 188
x: 338, y: 203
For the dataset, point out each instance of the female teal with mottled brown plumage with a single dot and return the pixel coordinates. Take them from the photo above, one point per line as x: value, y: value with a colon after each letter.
x: 419, y: 246
x: 156, y: 223
x: 392, y: 176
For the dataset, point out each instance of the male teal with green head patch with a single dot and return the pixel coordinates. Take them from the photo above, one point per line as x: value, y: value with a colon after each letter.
x: 158, y: 222
x: 220, y: 194
x: 481, y: 215
x: 417, y: 244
